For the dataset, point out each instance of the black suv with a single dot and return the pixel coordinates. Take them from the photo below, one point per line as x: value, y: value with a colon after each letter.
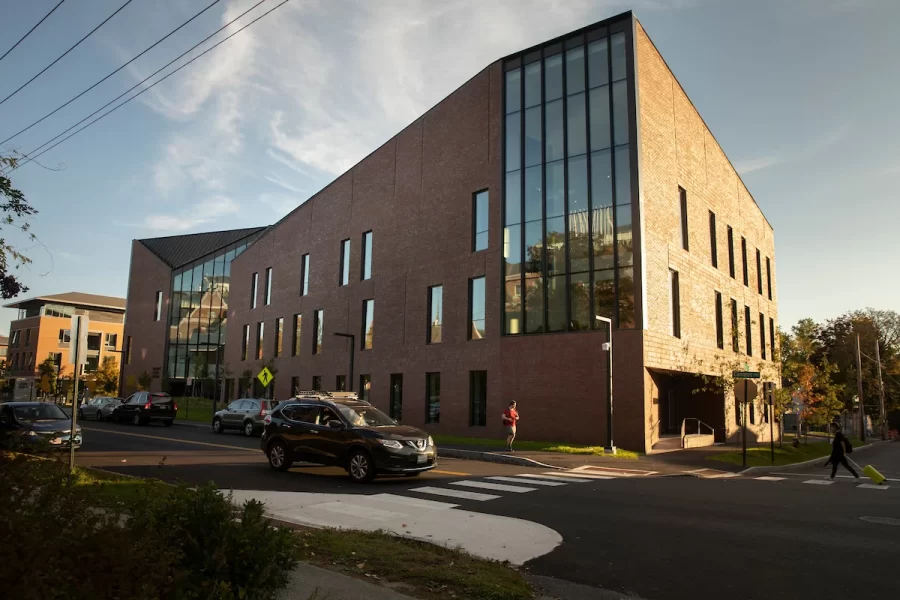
x: 347, y: 433
x: 145, y: 407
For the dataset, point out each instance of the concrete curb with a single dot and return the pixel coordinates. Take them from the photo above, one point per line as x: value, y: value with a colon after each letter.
x: 493, y: 457
x: 194, y: 424
x: 750, y: 470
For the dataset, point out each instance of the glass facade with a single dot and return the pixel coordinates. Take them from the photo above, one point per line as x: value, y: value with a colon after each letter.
x: 198, y: 316
x: 567, y: 224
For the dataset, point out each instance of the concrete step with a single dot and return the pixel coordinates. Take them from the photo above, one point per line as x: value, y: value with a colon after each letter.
x: 699, y: 440
x: 668, y: 443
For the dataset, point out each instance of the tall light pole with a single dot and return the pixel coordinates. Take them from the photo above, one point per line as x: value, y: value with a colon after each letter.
x: 862, y: 406
x: 352, y: 352
x: 607, y: 347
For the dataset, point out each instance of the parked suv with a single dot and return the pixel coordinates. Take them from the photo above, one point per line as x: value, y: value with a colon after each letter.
x: 347, y: 433
x: 146, y: 407
x: 246, y: 414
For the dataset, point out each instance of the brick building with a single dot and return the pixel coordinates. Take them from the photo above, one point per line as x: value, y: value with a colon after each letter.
x: 566, y: 184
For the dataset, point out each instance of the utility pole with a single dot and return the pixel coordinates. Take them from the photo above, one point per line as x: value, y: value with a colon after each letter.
x: 770, y: 388
x: 744, y: 422
x: 77, y: 338
x: 881, y: 392
x: 859, y: 391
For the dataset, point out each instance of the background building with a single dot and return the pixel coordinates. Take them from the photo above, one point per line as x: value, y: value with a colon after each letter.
x: 565, y: 184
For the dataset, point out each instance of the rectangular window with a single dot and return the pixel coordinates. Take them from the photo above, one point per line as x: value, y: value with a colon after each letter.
x: 340, y: 383
x: 713, y: 244
x: 759, y: 272
x: 279, y: 336
x: 14, y: 339
x: 751, y: 408
x: 720, y: 325
x: 772, y: 338
x: 345, y: 262
x: 676, y: 304
x: 298, y: 325
x: 93, y: 341
x: 295, y: 386
x: 157, y: 313
x: 682, y: 196
x: 128, y: 351
x: 318, y: 330
x: 245, y: 342
x: 432, y: 397
x: 111, y: 340
x: 477, y: 398
x: 744, y: 261
x: 92, y: 364
x: 735, y: 339
x: 368, y: 324
x: 396, y: 407
x: 365, y: 386
x: 254, y: 286
x: 748, y: 331
x: 317, y: 383
x: 435, y: 313
x: 65, y: 337
x: 268, y: 295
x: 769, y: 276
x: 730, y: 252
x: 229, y: 390
x: 27, y: 337
x: 304, y: 275
x: 260, y: 331
x: 762, y: 335
x: 367, y: 256
x: 480, y: 221
x: 476, y: 308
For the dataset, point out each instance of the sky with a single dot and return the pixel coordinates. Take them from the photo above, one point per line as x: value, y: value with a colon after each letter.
x: 801, y: 95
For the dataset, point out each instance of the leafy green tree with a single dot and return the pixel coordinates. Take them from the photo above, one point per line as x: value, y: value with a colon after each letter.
x: 106, y: 378
x: 15, y: 212
x: 144, y: 381
x: 47, y: 374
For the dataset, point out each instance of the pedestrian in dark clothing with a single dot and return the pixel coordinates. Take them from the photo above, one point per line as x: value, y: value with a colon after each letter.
x: 839, y: 447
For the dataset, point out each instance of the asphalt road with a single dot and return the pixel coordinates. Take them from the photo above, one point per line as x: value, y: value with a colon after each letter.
x: 654, y: 538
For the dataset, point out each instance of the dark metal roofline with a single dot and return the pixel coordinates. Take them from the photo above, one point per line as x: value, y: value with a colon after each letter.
x: 110, y: 303
x: 179, y: 250
x: 607, y: 21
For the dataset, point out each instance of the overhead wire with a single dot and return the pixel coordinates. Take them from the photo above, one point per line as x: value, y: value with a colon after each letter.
x: 90, y: 33
x: 155, y: 44
x: 22, y: 39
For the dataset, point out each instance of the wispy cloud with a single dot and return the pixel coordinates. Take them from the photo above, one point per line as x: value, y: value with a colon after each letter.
x: 813, y: 148
x: 198, y: 214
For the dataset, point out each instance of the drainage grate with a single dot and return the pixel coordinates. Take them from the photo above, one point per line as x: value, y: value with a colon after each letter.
x: 881, y: 520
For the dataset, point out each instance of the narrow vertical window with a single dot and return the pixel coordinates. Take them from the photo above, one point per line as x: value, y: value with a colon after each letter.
x: 759, y: 272
x: 682, y: 197
x: 254, y: 287
x: 279, y: 336
x: 318, y: 330
x: 128, y: 351
x: 317, y: 383
x: 260, y: 331
x: 298, y: 326
x: 676, y: 304
x: 345, y: 262
x: 731, y: 252
x: 268, y: 295
x: 762, y: 335
x: 367, y: 256
x: 365, y: 387
x: 713, y: 244
x: 295, y: 386
x: 432, y: 397
x: 435, y: 313
x: 480, y: 221
x: 304, y: 275
x: 769, y: 276
x: 245, y: 342
x: 735, y: 332
x: 396, y: 406
x: 157, y: 312
x: 748, y: 330
x: 477, y: 398
x: 368, y: 324
x: 476, y: 308
x: 340, y: 383
x: 720, y: 325
x: 744, y: 261
x: 772, y: 338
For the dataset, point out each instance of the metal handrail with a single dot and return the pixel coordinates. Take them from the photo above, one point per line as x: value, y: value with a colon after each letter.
x: 699, y: 424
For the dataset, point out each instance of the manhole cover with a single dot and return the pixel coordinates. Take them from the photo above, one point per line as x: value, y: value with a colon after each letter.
x: 881, y: 520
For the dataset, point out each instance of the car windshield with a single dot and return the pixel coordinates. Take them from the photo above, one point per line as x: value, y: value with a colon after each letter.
x: 365, y: 416
x: 39, y: 412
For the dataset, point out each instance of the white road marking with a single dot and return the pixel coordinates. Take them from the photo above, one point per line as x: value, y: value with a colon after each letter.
x: 837, y: 476
x: 770, y: 478
x: 624, y: 472
x: 499, y: 487
x: 454, y: 493
x: 416, y: 502
x: 584, y: 475
x: 872, y: 486
x: 818, y: 482
x: 555, y: 478
x: 529, y: 482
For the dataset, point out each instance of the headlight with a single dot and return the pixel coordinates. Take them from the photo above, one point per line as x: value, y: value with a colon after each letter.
x: 430, y: 441
x: 391, y: 444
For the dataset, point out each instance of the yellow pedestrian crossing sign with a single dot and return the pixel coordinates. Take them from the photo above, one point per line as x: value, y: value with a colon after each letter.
x: 265, y: 377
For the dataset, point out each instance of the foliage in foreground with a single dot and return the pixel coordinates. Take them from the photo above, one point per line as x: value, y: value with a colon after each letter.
x: 56, y: 542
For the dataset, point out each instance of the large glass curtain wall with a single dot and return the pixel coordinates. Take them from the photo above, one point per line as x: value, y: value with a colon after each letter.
x: 567, y: 228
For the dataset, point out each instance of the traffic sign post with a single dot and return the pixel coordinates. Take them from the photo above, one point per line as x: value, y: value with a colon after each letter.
x: 746, y: 376
x: 78, y: 357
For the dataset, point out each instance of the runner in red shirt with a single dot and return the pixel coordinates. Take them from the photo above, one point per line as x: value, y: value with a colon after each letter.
x: 510, y: 420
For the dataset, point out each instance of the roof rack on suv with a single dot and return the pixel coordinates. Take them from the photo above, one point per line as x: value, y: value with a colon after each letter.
x: 311, y: 393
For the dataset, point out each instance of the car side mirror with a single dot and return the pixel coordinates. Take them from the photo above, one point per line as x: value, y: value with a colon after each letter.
x: 335, y: 424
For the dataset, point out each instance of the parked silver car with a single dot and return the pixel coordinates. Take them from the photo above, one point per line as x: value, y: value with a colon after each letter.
x: 98, y: 408
x: 246, y: 414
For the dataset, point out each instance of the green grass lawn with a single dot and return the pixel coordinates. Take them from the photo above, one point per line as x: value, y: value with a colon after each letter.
x: 786, y: 455
x: 196, y: 409
x: 450, y: 440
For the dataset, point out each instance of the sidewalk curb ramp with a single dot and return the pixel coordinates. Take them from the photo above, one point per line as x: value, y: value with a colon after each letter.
x: 493, y: 457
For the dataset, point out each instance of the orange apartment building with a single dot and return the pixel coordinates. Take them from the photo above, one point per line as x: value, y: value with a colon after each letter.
x: 42, y: 330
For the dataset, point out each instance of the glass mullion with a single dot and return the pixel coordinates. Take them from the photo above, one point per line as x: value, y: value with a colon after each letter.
x: 615, y: 312
x: 523, y: 309
x: 590, y: 212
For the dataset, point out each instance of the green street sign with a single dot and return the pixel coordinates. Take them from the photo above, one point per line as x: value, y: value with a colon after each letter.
x: 746, y: 374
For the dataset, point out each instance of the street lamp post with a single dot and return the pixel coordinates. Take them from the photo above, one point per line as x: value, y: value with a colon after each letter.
x: 607, y: 347
x: 352, y: 352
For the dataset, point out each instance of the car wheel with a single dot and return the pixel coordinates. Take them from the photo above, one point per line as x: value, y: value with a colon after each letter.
x: 248, y: 428
x: 278, y: 456
x: 217, y: 425
x: 167, y: 423
x: 360, y: 467
x: 137, y: 419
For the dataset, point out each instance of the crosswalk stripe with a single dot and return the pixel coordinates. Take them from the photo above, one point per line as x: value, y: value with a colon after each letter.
x: 416, y: 502
x: 818, y: 482
x: 555, y: 478
x: 770, y: 478
x: 872, y: 486
x: 494, y: 486
x: 529, y: 482
x: 454, y: 493
x: 584, y: 475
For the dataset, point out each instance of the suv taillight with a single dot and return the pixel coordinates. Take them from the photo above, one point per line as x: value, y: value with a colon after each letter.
x: 175, y: 406
x: 268, y: 419
x: 147, y: 406
x: 263, y: 412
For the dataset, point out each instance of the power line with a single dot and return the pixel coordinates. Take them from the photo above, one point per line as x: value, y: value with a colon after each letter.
x: 21, y: 87
x: 22, y: 39
x: 118, y: 106
x: 62, y: 106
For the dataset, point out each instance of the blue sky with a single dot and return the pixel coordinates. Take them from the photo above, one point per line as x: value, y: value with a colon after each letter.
x: 801, y: 94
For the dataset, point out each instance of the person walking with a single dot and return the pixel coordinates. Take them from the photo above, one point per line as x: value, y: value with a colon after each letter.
x: 840, y: 447
x: 510, y: 420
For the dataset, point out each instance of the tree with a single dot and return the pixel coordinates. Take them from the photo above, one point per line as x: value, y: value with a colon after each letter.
x: 47, y: 372
x: 144, y: 381
x: 15, y: 212
x: 106, y: 377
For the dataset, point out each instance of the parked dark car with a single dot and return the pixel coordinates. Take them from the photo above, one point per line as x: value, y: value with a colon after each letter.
x: 36, y: 425
x: 98, y: 408
x: 146, y: 407
x: 347, y: 433
x: 246, y: 414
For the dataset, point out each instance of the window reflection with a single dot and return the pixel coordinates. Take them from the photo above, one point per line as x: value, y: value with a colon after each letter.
x: 513, y: 193
x: 533, y: 84
x: 576, y: 125
x: 575, y: 70
x: 533, y: 193
x: 554, y: 130
x: 318, y: 329
x: 513, y: 90
x: 435, y: 312
x: 580, y: 301
x: 533, y: 143
x: 598, y: 66
x: 513, y: 141
x: 600, y: 130
x: 553, y: 77
x: 476, y: 308
x: 368, y: 332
